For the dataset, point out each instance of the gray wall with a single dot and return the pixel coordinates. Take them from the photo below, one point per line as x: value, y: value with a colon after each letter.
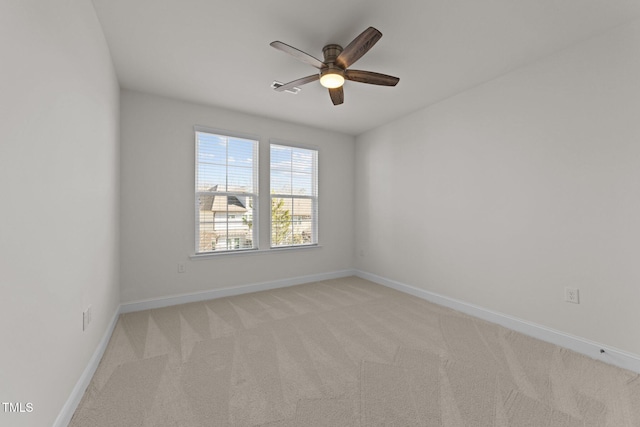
x: 505, y: 194
x: 158, y: 200
x: 59, y: 219
x: 500, y: 196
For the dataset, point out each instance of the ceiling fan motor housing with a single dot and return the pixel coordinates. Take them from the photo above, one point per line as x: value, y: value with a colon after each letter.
x: 331, y: 52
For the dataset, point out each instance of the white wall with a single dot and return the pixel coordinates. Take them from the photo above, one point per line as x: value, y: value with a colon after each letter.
x: 516, y: 189
x: 157, y: 214
x: 59, y: 200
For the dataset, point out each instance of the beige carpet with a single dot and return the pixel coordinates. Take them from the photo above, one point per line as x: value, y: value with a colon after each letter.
x: 343, y: 352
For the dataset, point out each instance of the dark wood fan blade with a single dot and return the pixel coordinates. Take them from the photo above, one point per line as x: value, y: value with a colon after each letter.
x: 299, y: 82
x: 371, y: 78
x: 337, y: 95
x: 298, y: 54
x: 358, y: 47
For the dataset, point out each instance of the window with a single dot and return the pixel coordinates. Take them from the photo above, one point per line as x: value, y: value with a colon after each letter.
x: 294, y: 196
x: 226, y: 192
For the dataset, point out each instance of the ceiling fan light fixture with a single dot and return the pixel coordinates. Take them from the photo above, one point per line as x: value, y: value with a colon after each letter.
x: 331, y: 80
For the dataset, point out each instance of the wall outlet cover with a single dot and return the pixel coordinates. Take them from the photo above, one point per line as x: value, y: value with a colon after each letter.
x: 85, y: 320
x: 572, y: 295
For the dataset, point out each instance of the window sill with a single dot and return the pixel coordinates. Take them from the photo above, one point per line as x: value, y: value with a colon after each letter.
x: 245, y: 252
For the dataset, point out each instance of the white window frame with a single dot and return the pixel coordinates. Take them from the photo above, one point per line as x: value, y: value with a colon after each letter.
x: 313, y: 197
x: 253, y: 195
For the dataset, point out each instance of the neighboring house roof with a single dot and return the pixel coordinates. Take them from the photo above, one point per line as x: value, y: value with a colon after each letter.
x: 223, y: 203
x: 228, y: 204
x: 239, y: 204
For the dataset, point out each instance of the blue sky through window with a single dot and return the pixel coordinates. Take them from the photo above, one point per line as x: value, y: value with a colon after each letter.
x: 292, y: 170
x: 227, y: 162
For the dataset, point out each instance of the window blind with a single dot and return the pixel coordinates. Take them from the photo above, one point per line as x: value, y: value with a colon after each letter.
x: 294, y: 195
x: 226, y: 188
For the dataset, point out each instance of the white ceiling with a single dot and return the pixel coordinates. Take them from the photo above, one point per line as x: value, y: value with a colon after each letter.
x: 217, y: 52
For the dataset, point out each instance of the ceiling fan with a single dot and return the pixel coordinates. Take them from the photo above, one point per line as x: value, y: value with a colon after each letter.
x: 334, y: 70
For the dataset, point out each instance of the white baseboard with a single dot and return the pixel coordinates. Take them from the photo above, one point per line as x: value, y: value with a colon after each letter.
x: 232, y: 291
x: 592, y: 349
x: 69, y: 408
x: 580, y: 345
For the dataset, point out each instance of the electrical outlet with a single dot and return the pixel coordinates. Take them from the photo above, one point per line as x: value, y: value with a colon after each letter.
x: 572, y: 295
x: 181, y: 267
x: 85, y: 320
